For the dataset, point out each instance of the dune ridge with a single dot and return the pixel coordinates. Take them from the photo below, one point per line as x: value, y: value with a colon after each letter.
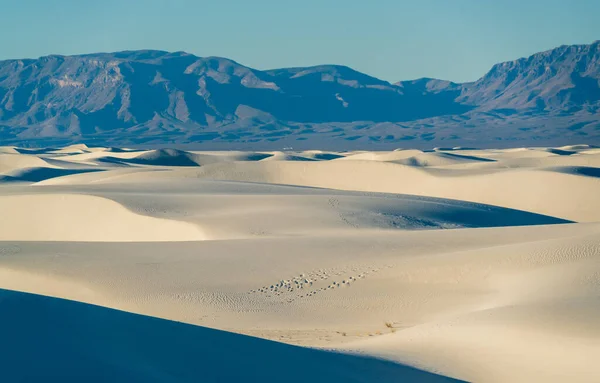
x: 89, y: 219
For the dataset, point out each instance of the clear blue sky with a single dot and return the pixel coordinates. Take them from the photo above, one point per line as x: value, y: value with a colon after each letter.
x: 394, y: 40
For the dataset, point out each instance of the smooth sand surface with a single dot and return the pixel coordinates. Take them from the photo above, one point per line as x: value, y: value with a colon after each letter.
x: 476, y: 265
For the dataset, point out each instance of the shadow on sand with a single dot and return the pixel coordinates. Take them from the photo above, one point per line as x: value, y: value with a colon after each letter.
x: 49, y: 339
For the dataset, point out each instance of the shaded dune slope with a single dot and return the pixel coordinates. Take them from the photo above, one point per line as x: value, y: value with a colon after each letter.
x: 566, y: 196
x: 73, y: 342
x: 41, y: 174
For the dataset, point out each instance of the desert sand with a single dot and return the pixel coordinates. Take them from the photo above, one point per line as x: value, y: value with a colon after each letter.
x: 407, y: 265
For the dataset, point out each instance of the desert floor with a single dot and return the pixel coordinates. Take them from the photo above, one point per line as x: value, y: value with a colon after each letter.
x: 475, y: 265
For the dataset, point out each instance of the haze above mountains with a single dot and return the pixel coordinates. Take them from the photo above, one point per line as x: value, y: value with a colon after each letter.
x: 154, y: 98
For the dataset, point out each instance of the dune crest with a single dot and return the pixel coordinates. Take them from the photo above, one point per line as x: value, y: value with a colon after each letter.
x: 60, y: 217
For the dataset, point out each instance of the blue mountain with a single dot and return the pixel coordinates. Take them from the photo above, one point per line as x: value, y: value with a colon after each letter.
x: 155, y: 98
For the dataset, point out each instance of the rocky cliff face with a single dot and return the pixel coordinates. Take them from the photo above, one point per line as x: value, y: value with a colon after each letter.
x: 564, y: 79
x: 154, y: 97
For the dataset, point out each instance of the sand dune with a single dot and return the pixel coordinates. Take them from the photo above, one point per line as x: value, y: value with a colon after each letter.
x: 59, y: 217
x: 566, y: 196
x: 8, y: 150
x: 37, y: 174
x: 544, y: 301
x: 321, y: 155
x: 16, y: 162
x: 56, y: 335
x: 382, y: 156
x: 280, y: 156
x: 440, y: 159
x: 477, y: 265
x: 578, y: 147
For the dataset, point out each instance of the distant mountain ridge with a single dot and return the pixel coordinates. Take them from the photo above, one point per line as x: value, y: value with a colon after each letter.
x: 155, y: 98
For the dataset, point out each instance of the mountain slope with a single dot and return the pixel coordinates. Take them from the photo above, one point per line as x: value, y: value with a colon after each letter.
x: 156, y: 97
x: 565, y: 78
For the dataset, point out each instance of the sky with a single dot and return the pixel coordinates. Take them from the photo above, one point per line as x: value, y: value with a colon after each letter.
x: 393, y: 40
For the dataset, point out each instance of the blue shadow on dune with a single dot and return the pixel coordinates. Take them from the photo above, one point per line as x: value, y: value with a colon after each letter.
x: 41, y: 174
x: 55, y: 340
x: 587, y: 171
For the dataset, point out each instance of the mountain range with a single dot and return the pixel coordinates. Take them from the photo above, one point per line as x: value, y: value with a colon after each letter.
x: 155, y: 98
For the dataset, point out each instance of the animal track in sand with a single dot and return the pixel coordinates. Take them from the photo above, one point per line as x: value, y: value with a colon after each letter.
x: 335, y: 204
x: 306, y: 285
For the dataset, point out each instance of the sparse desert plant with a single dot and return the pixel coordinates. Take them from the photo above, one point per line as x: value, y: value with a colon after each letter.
x: 389, y: 325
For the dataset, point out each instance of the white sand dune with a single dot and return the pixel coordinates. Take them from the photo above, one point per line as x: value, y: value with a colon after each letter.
x: 578, y: 147
x: 382, y: 156
x: 321, y: 155
x: 37, y: 174
x: 567, y: 196
x: 59, y: 217
x: 16, y: 162
x: 8, y: 150
x: 543, y: 306
x: 91, y: 157
x: 56, y: 335
x: 477, y: 265
x: 280, y: 156
x: 441, y: 159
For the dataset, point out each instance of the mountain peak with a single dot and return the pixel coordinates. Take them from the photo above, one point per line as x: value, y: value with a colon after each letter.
x: 158, y: 96
x: 563, y: 77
